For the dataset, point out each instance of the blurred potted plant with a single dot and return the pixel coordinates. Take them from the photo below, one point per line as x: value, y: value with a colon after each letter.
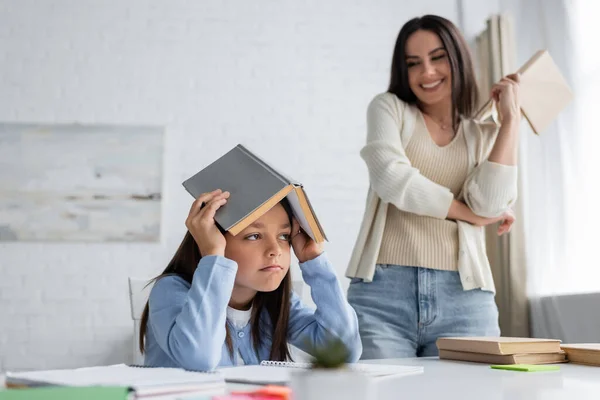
x: 329, y: 376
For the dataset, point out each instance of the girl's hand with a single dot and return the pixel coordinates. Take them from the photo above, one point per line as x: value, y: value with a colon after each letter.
x: 304, y: 247
x: 506, y: 95
x: 201, y: 223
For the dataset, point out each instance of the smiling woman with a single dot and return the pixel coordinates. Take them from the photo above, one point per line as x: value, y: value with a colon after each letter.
x: 419, y: 268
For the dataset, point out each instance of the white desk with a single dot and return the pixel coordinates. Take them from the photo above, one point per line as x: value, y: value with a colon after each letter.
x: 452, y: 380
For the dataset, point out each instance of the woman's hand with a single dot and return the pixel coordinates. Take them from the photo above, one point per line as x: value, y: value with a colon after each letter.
x: 507, y: 219
x: 506, y: 95
x: 201, y: 223
x: 304, y: 246
x: 507, y: 222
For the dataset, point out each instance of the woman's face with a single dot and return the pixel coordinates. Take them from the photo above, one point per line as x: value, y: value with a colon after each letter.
x: 429, y: 73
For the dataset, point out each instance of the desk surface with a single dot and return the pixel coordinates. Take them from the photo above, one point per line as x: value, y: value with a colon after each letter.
x: 453, y: 380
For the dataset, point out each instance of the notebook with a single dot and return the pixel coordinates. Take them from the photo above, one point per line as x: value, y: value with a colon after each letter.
x: 527, y: 368
x: 144, y: 382
x: 499, y: 345
x: 539, y: 358
x: 583, y: 353
x: 543, y: 90
x: 278, y: 372
x: 255, y: 188
x: 68, y: 393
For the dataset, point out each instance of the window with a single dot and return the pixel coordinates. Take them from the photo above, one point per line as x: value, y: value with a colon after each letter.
x: 582, y: 218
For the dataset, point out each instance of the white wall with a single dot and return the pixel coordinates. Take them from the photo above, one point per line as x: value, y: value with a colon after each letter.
x: 290, y: 79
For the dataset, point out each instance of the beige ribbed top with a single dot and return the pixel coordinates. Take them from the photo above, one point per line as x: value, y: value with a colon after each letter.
x: 421, y: 241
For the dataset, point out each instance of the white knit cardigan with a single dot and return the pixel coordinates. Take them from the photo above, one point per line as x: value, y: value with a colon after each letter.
x: 489, y: 190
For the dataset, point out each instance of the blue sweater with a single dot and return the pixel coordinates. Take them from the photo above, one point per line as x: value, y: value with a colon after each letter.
x: 186, y: 325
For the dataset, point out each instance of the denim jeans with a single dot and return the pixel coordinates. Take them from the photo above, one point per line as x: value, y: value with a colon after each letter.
x: 406, y: 309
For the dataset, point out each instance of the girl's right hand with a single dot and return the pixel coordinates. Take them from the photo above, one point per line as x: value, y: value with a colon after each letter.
x: 201, y: 223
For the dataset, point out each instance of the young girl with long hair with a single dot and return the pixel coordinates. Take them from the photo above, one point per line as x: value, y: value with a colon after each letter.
x: 228, y: 300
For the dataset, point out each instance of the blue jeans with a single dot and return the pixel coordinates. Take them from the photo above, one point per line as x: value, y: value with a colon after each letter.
x: 406, y: 309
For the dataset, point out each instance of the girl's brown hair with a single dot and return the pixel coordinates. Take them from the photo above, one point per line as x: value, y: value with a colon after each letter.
x: 275, y: 303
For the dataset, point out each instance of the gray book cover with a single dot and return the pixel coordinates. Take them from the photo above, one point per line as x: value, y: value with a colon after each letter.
x: 250, y: 181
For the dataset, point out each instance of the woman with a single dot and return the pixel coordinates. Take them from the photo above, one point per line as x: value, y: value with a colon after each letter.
x: 419, y: 268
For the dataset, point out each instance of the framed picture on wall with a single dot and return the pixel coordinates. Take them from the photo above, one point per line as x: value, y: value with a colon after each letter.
x: 72, y: 182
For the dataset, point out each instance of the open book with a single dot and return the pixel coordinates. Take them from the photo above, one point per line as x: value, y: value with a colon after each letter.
x: 142, y: 381
x: 278, y: 372
x: 543, y: 91
x: 255, y: 188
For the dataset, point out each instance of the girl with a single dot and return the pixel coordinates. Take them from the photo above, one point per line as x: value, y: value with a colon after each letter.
x: 227, y: 300
x: 419, y: 267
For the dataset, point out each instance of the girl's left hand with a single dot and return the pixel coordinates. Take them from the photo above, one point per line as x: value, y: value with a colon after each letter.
x: 304, y: 247
x: 506, y: 95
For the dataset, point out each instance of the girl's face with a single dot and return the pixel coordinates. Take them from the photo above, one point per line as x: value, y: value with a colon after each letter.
x: 262, y: 252
x: 429, y: 74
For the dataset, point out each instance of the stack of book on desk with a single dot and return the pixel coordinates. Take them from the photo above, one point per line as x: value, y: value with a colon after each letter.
x: 501, y: 350
x: 585, y: 353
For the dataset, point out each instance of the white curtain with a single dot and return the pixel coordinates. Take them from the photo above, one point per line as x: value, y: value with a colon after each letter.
x: 495, y: 49
x: 559, y: 171
x: 585, y: 220
x: 566, y: 299
x: 547, y: 161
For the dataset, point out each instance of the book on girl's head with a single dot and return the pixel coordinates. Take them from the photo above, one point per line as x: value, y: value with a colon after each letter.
x: 255, y: 188
x: 543, y: 91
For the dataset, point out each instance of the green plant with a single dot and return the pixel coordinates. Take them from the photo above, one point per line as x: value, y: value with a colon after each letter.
x: 333, y: 354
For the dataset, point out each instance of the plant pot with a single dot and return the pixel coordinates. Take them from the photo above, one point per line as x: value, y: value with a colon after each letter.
x: 331, y: 384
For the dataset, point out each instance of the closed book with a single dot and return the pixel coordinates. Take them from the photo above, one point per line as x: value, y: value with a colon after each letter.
x: 583, y: 353
x: 255, y: 187
x: 508, y: 359
x: 499, y: 345
x: 543, y: 91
